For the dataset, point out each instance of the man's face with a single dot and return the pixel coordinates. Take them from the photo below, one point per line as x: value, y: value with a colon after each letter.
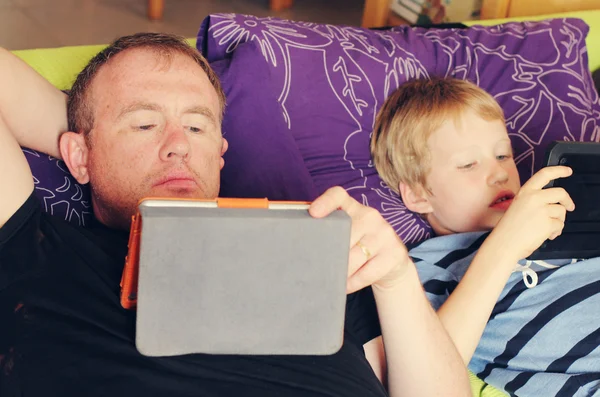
x: 473, y: 175
x: 157, y: 133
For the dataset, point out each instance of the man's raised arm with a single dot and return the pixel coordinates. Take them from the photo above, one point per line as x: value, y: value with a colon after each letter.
x: 32, y: 114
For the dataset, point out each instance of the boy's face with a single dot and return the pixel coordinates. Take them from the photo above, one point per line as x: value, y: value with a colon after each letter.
x: 473, y: 176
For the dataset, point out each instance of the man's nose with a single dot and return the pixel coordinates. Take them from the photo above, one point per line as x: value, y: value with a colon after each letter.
x: 175, y: 144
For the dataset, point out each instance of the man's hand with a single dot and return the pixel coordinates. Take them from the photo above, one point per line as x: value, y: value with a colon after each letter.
x: 535, y: 215
x: 377, y: 256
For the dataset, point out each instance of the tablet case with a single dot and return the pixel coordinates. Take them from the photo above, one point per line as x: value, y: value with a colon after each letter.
x: 581, y: 235
x: 236, y: 280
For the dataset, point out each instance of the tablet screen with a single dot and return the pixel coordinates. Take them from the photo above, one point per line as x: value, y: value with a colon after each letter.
x: 583, y: 186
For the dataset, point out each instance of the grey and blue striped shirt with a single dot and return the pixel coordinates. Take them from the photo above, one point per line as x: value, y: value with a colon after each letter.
x: 543, y: 337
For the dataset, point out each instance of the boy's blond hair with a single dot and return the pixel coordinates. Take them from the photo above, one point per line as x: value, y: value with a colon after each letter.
x: 410, y: 115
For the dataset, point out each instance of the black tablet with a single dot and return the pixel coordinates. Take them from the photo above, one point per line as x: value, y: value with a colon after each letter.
x: 581, y: 236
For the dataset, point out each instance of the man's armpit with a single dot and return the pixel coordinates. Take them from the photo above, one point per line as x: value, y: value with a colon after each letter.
x: 375, y: 354
x: 20, y: 243
x: 16, y: 181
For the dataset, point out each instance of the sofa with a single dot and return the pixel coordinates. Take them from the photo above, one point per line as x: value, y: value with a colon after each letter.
x: 302, y: 98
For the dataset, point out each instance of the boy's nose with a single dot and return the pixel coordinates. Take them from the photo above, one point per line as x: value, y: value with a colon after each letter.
x: 498, y: 175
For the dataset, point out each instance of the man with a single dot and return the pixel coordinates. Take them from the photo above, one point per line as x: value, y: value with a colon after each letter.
x: 144, y: 120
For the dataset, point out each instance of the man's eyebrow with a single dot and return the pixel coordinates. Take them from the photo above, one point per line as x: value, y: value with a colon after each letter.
x: 137, y: 106
x: 203, y: 111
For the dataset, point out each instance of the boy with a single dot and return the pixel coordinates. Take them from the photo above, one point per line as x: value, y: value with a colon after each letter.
x: 442, y: 145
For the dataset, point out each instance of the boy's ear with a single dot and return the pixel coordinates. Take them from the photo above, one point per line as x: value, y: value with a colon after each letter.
x: 74, y: 151
x: 415, y: 198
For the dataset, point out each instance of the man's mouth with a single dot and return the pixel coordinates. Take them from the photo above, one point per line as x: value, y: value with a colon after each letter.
x: 178, y: 180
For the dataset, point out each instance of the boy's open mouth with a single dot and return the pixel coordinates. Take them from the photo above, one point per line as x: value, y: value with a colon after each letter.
x: 503, y: 200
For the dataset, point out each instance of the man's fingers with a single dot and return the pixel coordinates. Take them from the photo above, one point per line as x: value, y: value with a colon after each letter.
x: 366, y: 275
x: 363, y: 250
x: 545, y: 175
x: 558, y: 195
x: 333, y: 199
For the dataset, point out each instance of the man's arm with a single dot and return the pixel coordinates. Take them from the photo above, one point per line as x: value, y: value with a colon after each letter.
x: 420, y: 357
x: 16, y: 182
x: 32, y: 114
x: 34, y: 111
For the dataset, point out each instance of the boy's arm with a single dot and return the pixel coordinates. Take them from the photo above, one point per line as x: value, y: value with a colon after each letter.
x: 467, y: 310
x: 34, y: 111
x: 535, y: 215
x: 32, y: 114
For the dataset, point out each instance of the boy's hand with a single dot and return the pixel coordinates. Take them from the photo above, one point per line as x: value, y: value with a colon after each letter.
x: 535, y: 215
x: 377, y: 256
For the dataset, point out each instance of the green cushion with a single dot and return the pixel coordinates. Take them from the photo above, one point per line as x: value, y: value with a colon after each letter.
x: 61, y: 65
x: 482, y: 389
x: 592, y: 18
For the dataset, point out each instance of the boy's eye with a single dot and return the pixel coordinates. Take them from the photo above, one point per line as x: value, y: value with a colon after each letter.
x: 466, y: 166
x: 503, y: 157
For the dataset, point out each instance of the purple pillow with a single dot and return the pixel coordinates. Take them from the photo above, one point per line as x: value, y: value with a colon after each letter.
x: 263, y: 159
x: 330, y: 82
x: 58, y: 192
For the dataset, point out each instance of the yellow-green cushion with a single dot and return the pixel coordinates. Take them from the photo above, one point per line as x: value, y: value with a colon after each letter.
x: 61, y: 65
x: 592, y: 18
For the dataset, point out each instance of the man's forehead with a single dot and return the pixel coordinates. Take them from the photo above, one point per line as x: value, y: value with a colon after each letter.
x: 132, y: 62
x: 129, y: 73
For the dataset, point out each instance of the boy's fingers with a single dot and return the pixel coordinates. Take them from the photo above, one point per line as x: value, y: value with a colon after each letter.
x: 557, y: 227
x: 558, y: 195
x: 547, y: 174
x: 557, y: 211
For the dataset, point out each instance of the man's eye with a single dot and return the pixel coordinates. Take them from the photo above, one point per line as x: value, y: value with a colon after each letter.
x: 145, y: 127
x: 195, y: 130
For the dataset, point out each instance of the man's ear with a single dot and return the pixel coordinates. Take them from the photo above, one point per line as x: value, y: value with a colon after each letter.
x: 74, y: 151
x: 415, y: 198
x: 224, y: 147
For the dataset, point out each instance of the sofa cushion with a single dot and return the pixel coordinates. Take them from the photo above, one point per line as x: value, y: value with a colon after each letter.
x: 330, y: 82
x: 58, y: 192
x: 262, y: 160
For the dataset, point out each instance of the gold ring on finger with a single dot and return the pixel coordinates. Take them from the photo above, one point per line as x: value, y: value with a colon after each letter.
x: 364, y: 250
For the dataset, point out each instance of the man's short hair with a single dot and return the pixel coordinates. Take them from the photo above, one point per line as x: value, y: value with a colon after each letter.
x: 80, y: 113
x: 411, y: 114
